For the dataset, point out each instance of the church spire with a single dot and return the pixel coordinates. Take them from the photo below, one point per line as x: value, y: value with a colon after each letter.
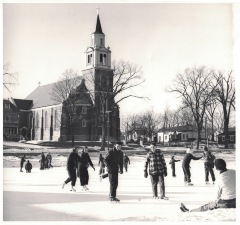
x: 98, y: 26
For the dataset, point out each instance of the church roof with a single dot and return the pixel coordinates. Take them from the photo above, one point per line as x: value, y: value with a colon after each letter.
x: 98, y: 27
x: 23, y: 104
x: 42, y: 95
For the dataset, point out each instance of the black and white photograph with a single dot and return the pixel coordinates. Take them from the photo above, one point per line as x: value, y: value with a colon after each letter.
x: 119, y: 111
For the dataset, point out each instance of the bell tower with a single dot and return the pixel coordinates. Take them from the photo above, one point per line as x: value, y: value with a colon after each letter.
x: 97, y: 55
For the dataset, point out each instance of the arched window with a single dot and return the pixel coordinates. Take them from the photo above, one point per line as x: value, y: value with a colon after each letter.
x: 84, y: 123
x: 101, y: 58
x: 55, y: 119
x: 89, y: 58
x: 37, y: 120
x: 101, y: 41
x: 104, y: 59
x: 46, y: 120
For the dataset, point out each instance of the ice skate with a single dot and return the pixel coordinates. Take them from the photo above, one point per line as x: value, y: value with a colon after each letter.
x: 184, y: 208
x: 86, y: 188
x: 189, y: 184
x: 72, y: 189
x: 114, y: 200
x: 63, y: 185
x: 164, y: 198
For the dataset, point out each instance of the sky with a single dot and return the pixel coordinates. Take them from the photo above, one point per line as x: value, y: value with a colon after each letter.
x: 41, y: 41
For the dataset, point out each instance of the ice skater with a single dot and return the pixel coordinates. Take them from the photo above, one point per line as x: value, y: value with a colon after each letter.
x: 186, y: 166
x: 49, y: 158
x: 101, y: 165
x: 114, y: 164
x: 126, y: 161
x: 83, y: 163
x: 42, y: 162
x: 172, y: 162
x: 72, y: 163
x: 208, y: 165
x: 28, y: 167
x: 226, y: 190
x: 157, y: 171
x: 22, y: 162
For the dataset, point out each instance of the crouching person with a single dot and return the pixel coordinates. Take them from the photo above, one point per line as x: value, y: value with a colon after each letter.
x: 226, y: 190
x: 28, y: 167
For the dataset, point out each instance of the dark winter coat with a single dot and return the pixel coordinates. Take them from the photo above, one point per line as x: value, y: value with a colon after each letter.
x: 22, y: 160
x: 187, y: 159
x: 156, y: 162
x: 28, y: 166
x: 84, y: 160
x: 126, y: 160
x: 72, y: 161
x: 208, y: 159
x: 114, y: 161
x: 172, y: 162
x: 101, y: 162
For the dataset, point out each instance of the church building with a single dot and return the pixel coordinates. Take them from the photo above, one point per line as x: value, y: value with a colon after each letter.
x: 95, y: 110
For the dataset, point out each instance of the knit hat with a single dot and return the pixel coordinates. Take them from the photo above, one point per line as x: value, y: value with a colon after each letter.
x: 220, y: 164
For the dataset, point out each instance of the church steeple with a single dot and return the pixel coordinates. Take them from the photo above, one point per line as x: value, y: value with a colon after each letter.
x: 98, y: 56
x: 98, y: 26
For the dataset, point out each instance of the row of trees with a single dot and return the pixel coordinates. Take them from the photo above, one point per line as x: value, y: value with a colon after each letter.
x: 201, y: 89
x: 206, y: 95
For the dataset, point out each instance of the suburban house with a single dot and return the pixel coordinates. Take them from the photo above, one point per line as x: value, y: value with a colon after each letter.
x: 185, y: 133
x: 41, y: 117
x: 231, y: 135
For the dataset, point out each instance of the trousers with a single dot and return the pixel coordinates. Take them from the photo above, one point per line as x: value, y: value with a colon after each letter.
x: 113, y: 180
x: 154, y: 180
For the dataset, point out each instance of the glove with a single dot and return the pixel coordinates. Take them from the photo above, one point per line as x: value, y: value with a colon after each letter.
x: 121, y: 172
x: 145, y: 174
x: 165, y: 174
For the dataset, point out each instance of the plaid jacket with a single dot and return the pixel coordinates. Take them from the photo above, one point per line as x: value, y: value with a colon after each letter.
x: 156, y: 163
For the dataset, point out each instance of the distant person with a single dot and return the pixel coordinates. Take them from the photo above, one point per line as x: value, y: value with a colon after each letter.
x: 22, y: 162
x: 42, y: 161
x: 126, y: 161
x: 83, y: 165
x: 101, y: 165
x: 114, y: 164
x: 186, y: 166
x: 28, y: 167
x: 49, y: 157
x: 226, y: 190
x: 172, y: 162
x: 208, y: 165
x: 157, y: 170
x: 72, y: 162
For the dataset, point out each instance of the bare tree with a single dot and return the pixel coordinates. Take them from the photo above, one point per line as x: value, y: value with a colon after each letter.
x: 225, y: 94
x: 127, y: 76
x: 192, y: 86
x: 210, y: 111
x: 10, y: 79
x: 107, y: 91
x: 64, y: 91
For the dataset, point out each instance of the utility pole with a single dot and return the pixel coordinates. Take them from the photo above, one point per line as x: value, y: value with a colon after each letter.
x: 206, y: 131
x: 108, y: 126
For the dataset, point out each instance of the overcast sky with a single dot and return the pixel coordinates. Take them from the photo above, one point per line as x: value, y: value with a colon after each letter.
x: 41, y: 41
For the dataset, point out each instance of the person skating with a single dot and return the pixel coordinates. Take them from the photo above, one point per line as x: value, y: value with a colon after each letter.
x: 157, y: 170
x: 126, y: 161
x: 49, y: 157
x: 186, y: 166
x: 22, y: 162
x: 101, y: 165
x: 72, y: 163
x: 114, y: 164
x: 226, y: 190
x: 208, y: 165
x: 42, y: 162
x: 28, y: 167
x: 172, y: 162
x: 83, y: 163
